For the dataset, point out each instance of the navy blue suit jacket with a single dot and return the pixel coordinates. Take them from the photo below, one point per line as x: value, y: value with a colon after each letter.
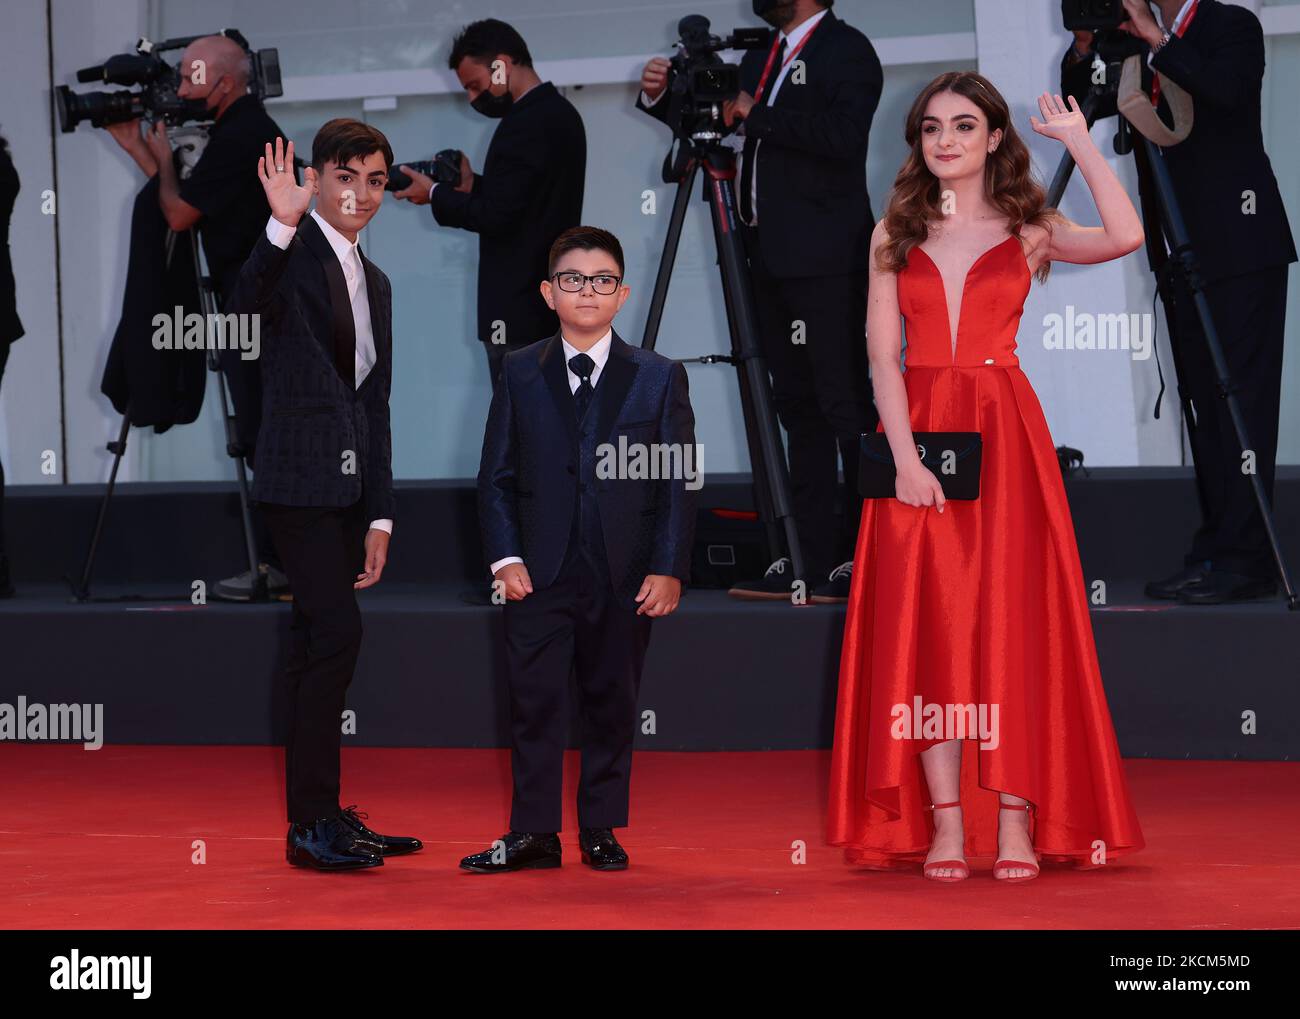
x: 529, y: 474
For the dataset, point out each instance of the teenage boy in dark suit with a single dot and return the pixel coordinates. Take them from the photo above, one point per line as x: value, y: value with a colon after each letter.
x: 585, y: 560
x: 324, y: 475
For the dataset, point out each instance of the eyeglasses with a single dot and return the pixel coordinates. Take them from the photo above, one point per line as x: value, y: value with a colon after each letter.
x: 573, y: 282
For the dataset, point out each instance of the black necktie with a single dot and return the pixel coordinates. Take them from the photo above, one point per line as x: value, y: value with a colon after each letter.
x: 582, y: 366
x: 751, y: 144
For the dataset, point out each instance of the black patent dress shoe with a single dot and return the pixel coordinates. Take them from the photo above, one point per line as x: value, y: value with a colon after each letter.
x: 329, y: 844
x: 600, y: 850
x: 389, y: 845
x: 1168, y: 588
x: 516, y: 850
x: 1219, y: 587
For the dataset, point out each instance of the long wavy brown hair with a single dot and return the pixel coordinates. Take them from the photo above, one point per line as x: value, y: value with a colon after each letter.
x: 1009, y: 182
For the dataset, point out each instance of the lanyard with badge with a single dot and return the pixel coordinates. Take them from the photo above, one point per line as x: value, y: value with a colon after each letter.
x: 771, y: 58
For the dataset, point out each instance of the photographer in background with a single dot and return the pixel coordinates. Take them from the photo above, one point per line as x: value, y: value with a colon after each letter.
x: 224, y: 198
x: 1238, y: 229
x: 530, y: 190
x: 10, y: 326
x: 806, y: 107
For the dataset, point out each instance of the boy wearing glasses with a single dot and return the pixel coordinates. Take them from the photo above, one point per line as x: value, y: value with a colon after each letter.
x: 585, y: 548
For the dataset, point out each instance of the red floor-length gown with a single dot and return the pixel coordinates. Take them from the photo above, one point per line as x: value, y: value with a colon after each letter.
x: 982, y: 604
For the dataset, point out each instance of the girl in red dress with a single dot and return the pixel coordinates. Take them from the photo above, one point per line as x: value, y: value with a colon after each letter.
x: 971, y: 718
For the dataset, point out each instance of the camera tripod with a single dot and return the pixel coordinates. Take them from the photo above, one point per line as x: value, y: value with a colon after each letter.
x: 208, y: 307
x: 766, y: 454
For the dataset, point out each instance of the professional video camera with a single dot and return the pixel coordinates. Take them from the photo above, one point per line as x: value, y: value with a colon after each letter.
x: 1102, y: 18
x: 702, y: 81
x: 444, y: 168
x: 159, y: 82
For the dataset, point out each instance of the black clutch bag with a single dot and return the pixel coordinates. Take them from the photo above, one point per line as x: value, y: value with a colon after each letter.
x: 953, y: 457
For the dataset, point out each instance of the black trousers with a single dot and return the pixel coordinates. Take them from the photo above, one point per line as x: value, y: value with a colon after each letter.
x: 573, y: 626
x: 323, y: 550
x: 823, y: 398
x: 1249, y: 313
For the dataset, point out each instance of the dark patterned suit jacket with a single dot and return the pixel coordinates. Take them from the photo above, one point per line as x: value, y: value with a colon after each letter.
x: 322, y: 442
x: 534, y: 460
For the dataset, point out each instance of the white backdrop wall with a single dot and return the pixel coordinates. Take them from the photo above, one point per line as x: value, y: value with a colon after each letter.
x: 337, y: 53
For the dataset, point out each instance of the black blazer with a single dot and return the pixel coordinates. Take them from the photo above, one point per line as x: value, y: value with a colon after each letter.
x: 528, y: 479
x: 10, y: 326
x: 814, y: 213
x: 312, y: 416
x: 530, y: 191
x: 1220, y: 62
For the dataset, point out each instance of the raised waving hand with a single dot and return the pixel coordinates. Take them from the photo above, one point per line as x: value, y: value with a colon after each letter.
x: 288, y: 199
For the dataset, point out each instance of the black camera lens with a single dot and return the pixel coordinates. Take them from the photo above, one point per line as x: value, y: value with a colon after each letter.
x: 99, y: 108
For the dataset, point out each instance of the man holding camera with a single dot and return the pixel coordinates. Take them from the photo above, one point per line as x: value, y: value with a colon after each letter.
x: 223, y: 197
x: 805, y: 109
x: 1238, y: 229
x: 530, y: 190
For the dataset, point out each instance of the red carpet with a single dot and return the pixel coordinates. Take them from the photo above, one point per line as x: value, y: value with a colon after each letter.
x: 102, y: 839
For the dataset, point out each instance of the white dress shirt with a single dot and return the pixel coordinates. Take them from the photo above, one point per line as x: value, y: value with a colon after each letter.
x: 792, y: 40
x: 598, y: 352
x: 354, y: 273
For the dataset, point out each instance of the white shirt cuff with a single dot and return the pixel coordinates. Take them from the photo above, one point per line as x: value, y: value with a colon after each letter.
x: 279, y: 234
x: 647, y: 101
x: 504, y: 562
x: 431, y: 187
x: 384, y: 524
